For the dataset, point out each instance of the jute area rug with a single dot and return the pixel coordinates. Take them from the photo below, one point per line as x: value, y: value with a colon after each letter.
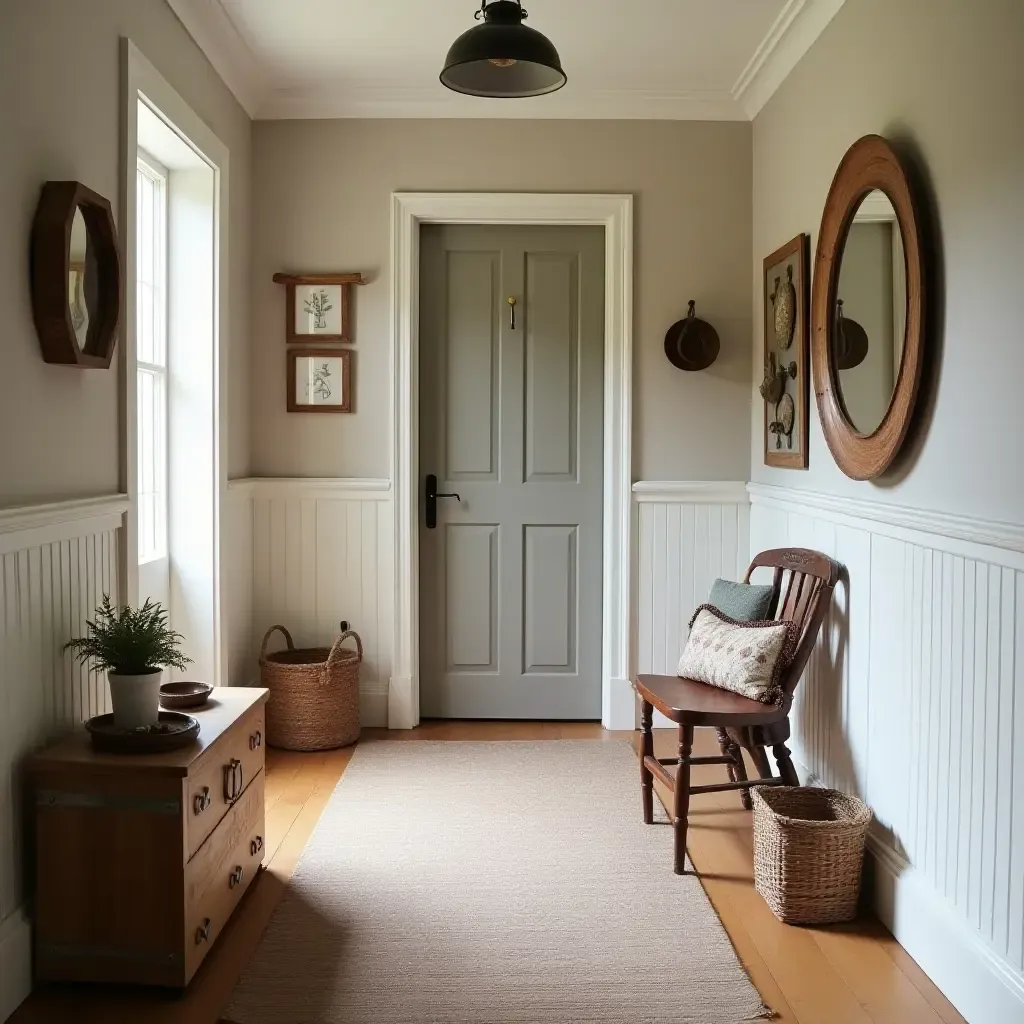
x: 492, y: 883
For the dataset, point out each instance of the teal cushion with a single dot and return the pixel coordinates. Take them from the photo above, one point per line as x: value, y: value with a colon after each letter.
x: 742, y: 602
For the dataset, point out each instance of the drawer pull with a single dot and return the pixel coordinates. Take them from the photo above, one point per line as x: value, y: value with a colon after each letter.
x: 235, y: 878
x: 256, y: 740
x: 233, y: 780
x: 203, y: 931
x: 201, y: 801
x: 255, y: 846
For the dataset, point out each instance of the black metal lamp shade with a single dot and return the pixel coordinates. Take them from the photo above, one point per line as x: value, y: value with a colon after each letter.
x: 502, y: 57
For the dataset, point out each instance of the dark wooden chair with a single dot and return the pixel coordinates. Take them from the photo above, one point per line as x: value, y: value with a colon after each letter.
x: 803, y: 583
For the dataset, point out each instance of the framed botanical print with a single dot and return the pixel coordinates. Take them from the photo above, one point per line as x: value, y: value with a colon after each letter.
x: 786, y: 385
x: 317, y: 306
x: 319, y: 380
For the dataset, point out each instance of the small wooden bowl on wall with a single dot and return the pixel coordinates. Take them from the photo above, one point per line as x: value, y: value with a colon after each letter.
x: 181, y: 695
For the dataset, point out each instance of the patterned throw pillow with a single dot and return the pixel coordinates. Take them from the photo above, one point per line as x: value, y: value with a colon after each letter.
x: 745, y: 657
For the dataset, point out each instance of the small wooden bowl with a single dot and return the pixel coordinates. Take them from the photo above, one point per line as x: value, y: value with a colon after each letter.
x: 177, y: 696
x: 174, y: 730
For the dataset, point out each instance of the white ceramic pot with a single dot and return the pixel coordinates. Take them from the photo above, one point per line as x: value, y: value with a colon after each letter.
x: 136, y: 699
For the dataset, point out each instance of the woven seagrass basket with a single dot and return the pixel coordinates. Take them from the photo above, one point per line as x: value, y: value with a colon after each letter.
x: 314, y: 693
x: 808, y: 852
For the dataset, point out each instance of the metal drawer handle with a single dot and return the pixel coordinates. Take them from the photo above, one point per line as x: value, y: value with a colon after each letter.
x: 203, y: 931
x: 256, y: 740
x: 232, y: 788
x: 235, y: 878
x: 255, y: 846
x: 201, y: 801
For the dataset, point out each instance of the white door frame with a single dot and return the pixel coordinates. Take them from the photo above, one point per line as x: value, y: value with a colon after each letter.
x: 615, y: 214
x: 141, y: 83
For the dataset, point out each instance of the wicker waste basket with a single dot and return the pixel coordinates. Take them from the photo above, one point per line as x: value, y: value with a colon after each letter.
x: 808, y: 852
x: 314, y: 693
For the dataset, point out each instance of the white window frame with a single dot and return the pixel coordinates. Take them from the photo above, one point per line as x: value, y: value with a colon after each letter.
x: 151, y: 168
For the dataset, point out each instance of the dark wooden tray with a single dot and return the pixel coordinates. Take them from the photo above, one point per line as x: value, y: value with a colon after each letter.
x: 181, y: 695
x: 174, y: 730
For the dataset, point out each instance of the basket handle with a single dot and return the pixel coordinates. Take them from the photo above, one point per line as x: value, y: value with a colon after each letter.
x: 270, y: 633
x: 332, y: 657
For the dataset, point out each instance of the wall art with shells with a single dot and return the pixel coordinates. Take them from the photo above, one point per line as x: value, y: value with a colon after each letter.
x: 785, y: 388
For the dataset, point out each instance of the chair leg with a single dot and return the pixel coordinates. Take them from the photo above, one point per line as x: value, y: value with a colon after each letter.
x: 736, y: 768
x: 682, y: 796
x: 764, y: 766
x: 646, y: 750
x: 786, y: 769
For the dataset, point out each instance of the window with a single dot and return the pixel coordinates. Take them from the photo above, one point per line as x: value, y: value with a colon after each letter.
x: 151, y: 355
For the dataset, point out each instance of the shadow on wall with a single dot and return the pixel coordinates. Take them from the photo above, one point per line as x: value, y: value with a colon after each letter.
x: 820, y: 727
x: 909, y: 152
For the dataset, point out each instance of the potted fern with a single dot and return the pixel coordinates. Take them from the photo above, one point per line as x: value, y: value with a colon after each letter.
x: 133, y: 646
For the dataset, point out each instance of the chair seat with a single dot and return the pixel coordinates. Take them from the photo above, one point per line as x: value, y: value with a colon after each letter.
x: 689, y: 702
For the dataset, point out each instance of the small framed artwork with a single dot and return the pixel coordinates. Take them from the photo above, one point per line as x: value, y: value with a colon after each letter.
x: 317, y: 306
x: 786, y: 385
x: 319, y: 380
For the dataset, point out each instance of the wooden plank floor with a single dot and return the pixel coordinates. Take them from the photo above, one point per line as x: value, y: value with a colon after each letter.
x: 849, y: 974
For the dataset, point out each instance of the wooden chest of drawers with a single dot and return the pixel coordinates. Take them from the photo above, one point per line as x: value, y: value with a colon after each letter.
x: 140, y: 860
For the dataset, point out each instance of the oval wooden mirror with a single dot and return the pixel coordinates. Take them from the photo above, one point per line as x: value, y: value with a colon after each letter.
x: 867, y: 310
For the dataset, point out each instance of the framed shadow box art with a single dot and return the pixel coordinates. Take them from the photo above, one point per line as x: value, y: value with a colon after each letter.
x: 318, y: 307
x: 786, y: 385
x: 319, y: 380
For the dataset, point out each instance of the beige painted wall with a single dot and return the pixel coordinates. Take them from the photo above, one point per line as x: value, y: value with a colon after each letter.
x: 321, y: 201
x: 60, y: 79
x: 947, y: 76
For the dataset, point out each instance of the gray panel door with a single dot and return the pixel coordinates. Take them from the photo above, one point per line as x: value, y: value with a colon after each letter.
x: 511, y: 420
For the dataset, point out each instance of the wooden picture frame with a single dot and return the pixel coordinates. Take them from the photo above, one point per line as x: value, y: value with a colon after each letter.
x: 336, y: 377
x: 326, y: 303
x: 787, y: 371
x: 869, y: 164
x: 96, y: 274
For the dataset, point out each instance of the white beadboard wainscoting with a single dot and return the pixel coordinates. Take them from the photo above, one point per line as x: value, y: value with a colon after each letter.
x: 57, y: 563
x: 307, y: 554
x: 915, y: 701
x: 687, y: 535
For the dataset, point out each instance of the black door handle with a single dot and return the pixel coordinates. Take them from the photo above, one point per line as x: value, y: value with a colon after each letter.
x: 432, y: 496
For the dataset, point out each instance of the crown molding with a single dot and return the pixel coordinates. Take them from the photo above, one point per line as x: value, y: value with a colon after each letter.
x: 390, y: 101
x: 792, y: 34
x: 215, y: 34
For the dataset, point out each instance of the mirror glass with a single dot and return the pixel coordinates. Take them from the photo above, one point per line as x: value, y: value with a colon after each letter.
x: 81, y: 277
x: 870, y: 313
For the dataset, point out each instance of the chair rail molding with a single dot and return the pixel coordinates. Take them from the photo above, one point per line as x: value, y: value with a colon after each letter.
x: 692, y: 492
x: 615, y: 214
x: 902, y: 522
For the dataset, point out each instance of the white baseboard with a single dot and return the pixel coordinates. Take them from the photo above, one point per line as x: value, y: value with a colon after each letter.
x: 619, y: 711
x: 401, y: 713
x: 373, y: 709
x: 983, y: 986
x: 15, y: 963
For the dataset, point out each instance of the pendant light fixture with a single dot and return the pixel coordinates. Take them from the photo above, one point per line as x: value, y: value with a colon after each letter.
x: 502, y: 57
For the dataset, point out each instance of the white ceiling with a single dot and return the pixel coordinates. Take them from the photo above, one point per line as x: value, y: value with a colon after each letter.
x: 675, y: 59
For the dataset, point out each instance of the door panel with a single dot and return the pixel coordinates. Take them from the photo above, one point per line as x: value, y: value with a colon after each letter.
x: 471, y: 592
x: 549, y: 599
x: 511, y: 421
x: 552, y: 353
x: 471, y: 365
